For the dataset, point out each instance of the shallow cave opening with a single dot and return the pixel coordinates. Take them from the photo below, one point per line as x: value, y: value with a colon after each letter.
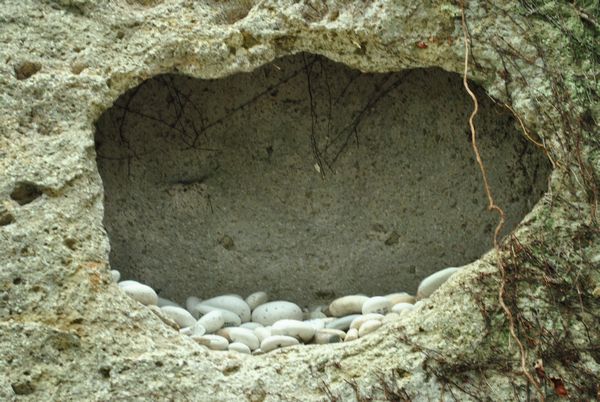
x: 306, y: 179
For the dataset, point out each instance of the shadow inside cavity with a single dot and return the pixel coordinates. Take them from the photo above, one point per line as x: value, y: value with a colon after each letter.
x: 306, y: 179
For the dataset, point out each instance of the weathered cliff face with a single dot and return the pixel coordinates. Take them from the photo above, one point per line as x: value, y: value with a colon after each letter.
x: 68, y: 333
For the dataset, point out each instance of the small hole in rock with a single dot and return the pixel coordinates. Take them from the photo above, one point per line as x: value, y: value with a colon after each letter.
x: 25, y: 192
x: 6, y: 219
x: 26, y: 69
x: 17, y: 281
x: 105, y: 371
x: 23, y: 388
x: 70, y: 243
x: 307, y: 180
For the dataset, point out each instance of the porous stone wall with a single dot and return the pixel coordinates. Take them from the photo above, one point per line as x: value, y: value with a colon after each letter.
x: 521, y: 321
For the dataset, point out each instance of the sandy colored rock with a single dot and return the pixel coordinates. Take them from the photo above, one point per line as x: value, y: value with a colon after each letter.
x: 67, y: 331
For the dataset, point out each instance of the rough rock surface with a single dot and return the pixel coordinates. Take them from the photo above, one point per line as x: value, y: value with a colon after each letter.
x: 68, y: 333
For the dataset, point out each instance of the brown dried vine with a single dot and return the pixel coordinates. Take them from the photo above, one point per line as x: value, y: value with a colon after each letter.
x: 492, y: 206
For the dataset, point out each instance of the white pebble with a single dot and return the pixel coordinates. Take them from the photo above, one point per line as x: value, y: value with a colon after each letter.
x: 239, y: 347
x: 351, y: 335
x: 342, y: 323
x: 400, y: 308
x: 163, y: 316
x: 214, y: 342
x: 225, y: 333
x: 337, y: 332
x: 231, y: 319
x: 277, y: 341
x: 347, y: 305
x: 317, y: 324
x: 401, y: 297
x: 140, y: 292
x: 234, y: 295
x: 268, y: 313
x: 302, y: 330
x: 127, y: 283
x: 368, y: 327
x: 232, y: 303
x: 245, y: 336
x: 115, y: 275
x: 180, y: 315
x: 161, y: 302
x: 312, y: 315
x: 376, y: 304
x: 256, y: 299
x: 186, y: 331
x: 251, y: 325
x: 358, y: 321
x: 262, y: 332
x: 212, y: 321
x: 434, y: 281
x: 198, y: 329
x: 190, y: 304
x: 323, y: 338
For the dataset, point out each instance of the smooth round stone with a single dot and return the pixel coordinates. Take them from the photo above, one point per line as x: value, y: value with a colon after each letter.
x: 358, y: 321
x: 251, y: 325
x: 164, y: 317
x: 401, y: 297
x: 256, y: 299
x: 115, y: 275
x: 347, y: 305
x: 342, y: 323
x: 198, y: 329
x: 262, y: 333
x: 271, y: 312
x: 225, y: 333
x: 376, y: 304
x: 234, y: 295
x: 323, y: 338
x: 337, y: 332
x: 180, y: 315
x: 186, y: 331
x: 245, y: 336
x: 212, y: 321
x: 298, y: 329
x: 277, y: 341
x: 190, y: 304
x: 140, y: 292
x: 313, y: 315
x: 239, y: 347
x: 162, y: 302
x: 257, y: 352
x: 351, y: 335
x: 400, y: 308
x: 369, y: 326
x: 434, y: 281
x: 316, y: 323
x: 231, y: 319
x: 214, y: 342
x: 231, y: 303
x: 320, y: 308
x: 127, y: 282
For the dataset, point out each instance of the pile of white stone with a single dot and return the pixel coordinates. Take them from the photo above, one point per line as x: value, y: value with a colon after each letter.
x: 256, y: 325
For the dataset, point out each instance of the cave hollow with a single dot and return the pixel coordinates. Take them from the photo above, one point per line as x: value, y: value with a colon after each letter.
x: 306, y: 179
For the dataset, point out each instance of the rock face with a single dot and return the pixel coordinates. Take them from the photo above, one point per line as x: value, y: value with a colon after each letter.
x: 69, y: 333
